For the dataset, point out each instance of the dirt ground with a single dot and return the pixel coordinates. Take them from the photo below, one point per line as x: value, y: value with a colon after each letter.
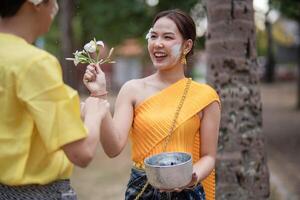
x: 106, y: 178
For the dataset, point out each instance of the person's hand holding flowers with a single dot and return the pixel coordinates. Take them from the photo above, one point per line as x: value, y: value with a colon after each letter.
x: 94, y: 78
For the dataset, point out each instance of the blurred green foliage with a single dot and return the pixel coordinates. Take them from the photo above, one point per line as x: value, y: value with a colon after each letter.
x: 52, y: 43
x: 289, y: 8
x: 261, y: 43
x: 116, y: 20
x: 112, y: 21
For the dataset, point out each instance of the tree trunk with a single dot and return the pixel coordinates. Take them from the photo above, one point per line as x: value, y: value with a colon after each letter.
x: 66, y: 37
x: 242, y: 172
x: 298, y: 61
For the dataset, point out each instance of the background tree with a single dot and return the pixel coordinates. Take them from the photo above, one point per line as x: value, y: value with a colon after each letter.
x: 65, y: 18
x: 291, y: 9
x: 242, y: 172
x: 114, y: 21
x: 270, y: 60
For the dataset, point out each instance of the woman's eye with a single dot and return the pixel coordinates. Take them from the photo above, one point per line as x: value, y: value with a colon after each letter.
x: 153, y: 36
x: 169, y: 37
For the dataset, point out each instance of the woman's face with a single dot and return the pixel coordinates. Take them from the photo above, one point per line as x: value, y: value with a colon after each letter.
x: 165, y: 44
x: 47, y: 12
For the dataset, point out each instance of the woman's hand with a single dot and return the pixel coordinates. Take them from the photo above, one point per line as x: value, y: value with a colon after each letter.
x: 94, y: 79
x: 191, y: 184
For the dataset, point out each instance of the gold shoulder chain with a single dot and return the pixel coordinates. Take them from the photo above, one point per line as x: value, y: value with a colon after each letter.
x: 186, y: 89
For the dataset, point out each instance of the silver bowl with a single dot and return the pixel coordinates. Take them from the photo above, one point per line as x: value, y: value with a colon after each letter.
x: 169, y: 170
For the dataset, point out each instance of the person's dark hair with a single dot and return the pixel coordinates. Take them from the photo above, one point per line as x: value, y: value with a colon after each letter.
x: 9, y: 8
x: 184, y: 23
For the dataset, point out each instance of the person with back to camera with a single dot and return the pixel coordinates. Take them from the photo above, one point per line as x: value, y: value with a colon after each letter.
x: 145, y: 108
x: 41, y: 132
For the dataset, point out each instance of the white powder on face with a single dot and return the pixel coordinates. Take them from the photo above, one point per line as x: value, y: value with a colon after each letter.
x: 176, y: 51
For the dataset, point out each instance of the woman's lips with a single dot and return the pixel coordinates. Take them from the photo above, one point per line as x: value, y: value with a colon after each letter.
x: 159, y: 56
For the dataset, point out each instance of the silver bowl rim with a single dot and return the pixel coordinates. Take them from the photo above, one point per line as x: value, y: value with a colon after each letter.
x: 159, y: 166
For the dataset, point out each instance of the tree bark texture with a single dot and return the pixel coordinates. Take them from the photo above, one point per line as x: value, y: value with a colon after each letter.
x: 242, y: 172
x: 298, y: 62
x: 66, y: 40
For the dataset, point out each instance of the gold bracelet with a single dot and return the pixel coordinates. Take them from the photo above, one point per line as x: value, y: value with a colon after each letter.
x: 100, y: 93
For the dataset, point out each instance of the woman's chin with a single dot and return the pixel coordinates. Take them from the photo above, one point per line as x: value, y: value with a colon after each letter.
x: 160, y: 66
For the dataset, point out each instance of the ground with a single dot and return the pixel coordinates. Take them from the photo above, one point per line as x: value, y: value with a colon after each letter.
x: 106, y: 178
x: 281, y: 126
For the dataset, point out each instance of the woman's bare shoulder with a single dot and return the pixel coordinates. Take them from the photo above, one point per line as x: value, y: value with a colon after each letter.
x: 131, y: 90
x: 133, y: 84
x: 136, y: 85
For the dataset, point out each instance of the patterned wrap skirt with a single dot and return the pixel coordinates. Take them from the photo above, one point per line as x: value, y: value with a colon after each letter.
x: 58, y: 190
x: 138, y: 179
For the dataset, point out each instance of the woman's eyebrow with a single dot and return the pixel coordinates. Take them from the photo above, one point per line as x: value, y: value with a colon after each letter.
x: 165, y: 33
x: 169, y: 33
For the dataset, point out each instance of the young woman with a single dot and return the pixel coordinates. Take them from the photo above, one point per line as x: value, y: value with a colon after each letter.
x: 145, y: 109
x: 40, y: 125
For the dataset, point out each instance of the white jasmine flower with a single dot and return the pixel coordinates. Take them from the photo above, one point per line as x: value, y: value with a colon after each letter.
x: 100, y: 43
x: 91, y: 54
x: 75, y: 60
x: 78, y: 57
x: 35, y: 2
x: 78, y: 53
x: 90, y: 47
x: 149, y: 34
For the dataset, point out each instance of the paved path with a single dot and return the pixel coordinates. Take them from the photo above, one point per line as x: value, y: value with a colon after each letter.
x: 281, y: 126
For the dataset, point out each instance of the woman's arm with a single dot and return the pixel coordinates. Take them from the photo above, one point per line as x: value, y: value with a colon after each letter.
x: 210, y: 123
x: 115, y: 131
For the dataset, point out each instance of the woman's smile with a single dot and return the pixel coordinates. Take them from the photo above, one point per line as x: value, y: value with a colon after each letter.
x: 160, y: 56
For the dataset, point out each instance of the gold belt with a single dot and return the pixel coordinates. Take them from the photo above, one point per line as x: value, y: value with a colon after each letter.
x: 139, y: 165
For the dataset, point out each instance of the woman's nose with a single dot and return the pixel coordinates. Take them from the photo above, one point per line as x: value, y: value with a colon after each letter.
x: 158, y: 43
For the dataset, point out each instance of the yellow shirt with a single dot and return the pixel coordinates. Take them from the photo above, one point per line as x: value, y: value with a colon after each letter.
x: 39, y: 114
x: 153, y: 120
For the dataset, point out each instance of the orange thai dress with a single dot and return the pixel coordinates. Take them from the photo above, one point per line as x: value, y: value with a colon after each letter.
x: 153, y: 119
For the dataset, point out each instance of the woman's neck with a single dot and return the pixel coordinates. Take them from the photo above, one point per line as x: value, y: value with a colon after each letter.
x: 19, y: 27
x: 170, y: 76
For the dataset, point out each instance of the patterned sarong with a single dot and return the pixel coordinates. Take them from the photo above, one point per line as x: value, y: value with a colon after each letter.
x: 138, y: 179
x: 58, y: 190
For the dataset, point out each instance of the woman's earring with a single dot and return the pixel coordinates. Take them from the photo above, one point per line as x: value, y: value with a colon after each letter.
x: 183, y: 59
